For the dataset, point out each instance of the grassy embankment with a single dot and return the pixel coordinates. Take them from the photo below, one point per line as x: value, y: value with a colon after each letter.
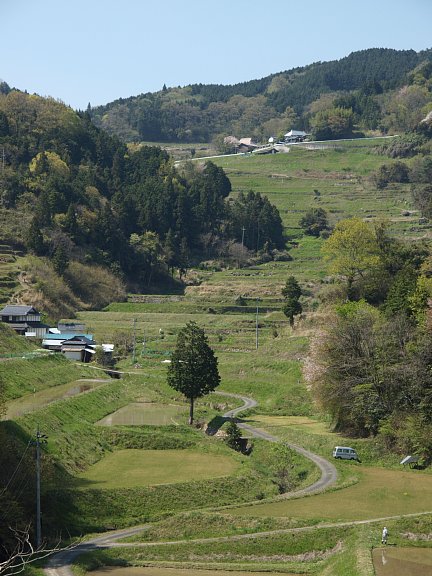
x: 11, y: 344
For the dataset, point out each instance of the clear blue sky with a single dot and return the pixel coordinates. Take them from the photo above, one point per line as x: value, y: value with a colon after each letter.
x: 95, y: 51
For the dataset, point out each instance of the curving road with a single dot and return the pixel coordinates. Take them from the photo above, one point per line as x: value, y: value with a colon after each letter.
x: 328, y: 471
x: 60, y: 564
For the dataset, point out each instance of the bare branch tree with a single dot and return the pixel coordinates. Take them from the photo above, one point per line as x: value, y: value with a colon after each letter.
x: 24, y: 553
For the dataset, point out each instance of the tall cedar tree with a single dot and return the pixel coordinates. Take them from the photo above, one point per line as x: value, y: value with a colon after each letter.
x: 291, y: 292
x: 194, y: 367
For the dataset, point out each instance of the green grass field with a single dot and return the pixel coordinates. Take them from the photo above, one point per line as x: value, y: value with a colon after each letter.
x: 146, y: 413
x: 129, y: 468
x: 378, y: 493
x: 341, y: 176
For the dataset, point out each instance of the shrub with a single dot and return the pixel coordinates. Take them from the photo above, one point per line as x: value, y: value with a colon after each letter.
x: 402, y: 146
x: 95, y: 285
x: 314, y: 221
x: 234, y: 436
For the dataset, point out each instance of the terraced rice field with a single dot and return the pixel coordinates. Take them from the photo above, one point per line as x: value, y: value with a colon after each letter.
x: 129, y: 468
x: 148, y: 414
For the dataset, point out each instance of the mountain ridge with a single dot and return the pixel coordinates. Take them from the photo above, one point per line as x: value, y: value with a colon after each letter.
x: 198, y: 112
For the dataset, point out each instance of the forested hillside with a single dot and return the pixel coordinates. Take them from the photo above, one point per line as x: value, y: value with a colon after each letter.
x: 75, y: 197
x: 371, y: 90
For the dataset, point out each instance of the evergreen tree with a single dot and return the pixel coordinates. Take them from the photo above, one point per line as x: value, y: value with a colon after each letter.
x: 292, y: 289
x: 60, y: 259
x: 183, y: 257
x: 291, y: 293
x: 4, y: 124
x: 194, y: 368
x: 170, y: 251
x: 34, y: 238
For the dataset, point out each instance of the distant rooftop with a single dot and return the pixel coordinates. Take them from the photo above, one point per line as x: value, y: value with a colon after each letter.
x: 67, y: 336
x: 18, y: 310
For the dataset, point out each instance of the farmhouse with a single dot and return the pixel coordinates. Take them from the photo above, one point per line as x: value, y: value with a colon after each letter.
x: 25, y: 320
x: 78, y: 348
x: 295, y: 136
x: 74, y: 346
x: 246, y: 145
x: 55, y: 341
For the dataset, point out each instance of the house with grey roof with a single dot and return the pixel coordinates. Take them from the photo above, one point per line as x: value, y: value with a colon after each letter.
x: 24, y: 319
x: 74, y: 346
x: 295, y: 136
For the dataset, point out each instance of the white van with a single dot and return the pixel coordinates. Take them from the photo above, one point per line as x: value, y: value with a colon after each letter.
x: 345, y: 452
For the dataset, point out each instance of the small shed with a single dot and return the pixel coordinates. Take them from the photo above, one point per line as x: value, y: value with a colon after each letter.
x: 410, y: 460
x: 71, y: 327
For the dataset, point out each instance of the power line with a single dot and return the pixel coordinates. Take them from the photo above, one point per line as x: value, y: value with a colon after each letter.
x: 16, y: 469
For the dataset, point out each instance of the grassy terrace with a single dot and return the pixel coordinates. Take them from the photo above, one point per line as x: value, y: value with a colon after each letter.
x: 341, y: 176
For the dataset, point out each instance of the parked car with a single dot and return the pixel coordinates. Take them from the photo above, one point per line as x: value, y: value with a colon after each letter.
x: 345, y: 452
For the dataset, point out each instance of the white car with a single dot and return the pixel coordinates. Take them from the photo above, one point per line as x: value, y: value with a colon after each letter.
x: 345, y: 452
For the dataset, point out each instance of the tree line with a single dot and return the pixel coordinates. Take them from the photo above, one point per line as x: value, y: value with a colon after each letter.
x: 370, y: 366
x: 83, y: 195
x: 375, y: 89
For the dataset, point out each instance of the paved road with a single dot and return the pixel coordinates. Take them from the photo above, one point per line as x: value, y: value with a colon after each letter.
x: 60, y: 563
x: 328, y: 471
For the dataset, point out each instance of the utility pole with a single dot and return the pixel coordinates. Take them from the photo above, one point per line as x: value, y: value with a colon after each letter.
x: 256, y: 324
x: 134, y: 340
x: 40, y: 439
x: 243, y: 231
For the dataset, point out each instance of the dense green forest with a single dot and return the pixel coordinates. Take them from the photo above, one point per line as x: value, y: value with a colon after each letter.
x: 77, y: 196
x: 378, y: 89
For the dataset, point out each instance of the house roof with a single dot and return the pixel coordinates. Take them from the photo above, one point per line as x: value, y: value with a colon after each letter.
x: 68, y: 336
x: 17, y: 310
x: 247, y: 141
x: 51, y: 342
x: 295, y: 133
x: 79, y: 340
x: 18, y: 325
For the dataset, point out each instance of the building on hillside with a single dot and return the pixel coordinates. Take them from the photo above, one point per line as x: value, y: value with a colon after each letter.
x: 246, y: 145
x: 25, y: 320
x: 295, y: 136
x: 54, y: 341
x: 78, y: 348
